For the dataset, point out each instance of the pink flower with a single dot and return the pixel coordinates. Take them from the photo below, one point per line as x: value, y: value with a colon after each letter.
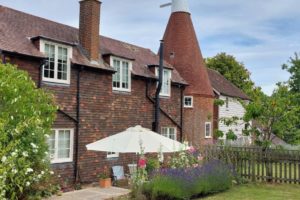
x: 142, y: 163
x: 192, y: 149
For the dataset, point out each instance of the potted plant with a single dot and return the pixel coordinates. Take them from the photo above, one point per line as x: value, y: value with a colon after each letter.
x: 104, y: 178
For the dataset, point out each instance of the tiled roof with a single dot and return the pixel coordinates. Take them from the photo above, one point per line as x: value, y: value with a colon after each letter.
x: 17, y: 30
x: 225, y: 87
x: 181, y: 41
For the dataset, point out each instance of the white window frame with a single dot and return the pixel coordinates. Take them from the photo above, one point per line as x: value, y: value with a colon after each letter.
x: 210, y: 131
x: 56, y: 160
x: 70, y: 53
x: 192, y: 102
x: 112, y: 58
x: 168, y: 132
x: 112, y: 155
x: 170, y: 81
x: 227, y: 103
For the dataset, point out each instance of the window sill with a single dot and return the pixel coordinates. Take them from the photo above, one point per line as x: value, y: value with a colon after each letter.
x: 188, y: 107
x: 122, y: 92
x: 208, y: 137
x: 61, y: 162
x: 53, y: 83
x: 165, y: 96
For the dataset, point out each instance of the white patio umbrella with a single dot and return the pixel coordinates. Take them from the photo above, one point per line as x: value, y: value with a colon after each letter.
x: 131, y: 140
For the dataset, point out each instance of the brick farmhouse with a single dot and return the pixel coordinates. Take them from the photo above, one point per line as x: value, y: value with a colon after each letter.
x: 103, y: 86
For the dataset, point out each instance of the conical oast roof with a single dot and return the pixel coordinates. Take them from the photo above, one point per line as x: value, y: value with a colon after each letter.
x: 183, y: 51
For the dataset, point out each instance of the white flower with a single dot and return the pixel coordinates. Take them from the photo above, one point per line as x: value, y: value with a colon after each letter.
x: 51, y: 172
x: 39, y: 176
x: 47, y: 136
x: 13, y: 153
x: 25, y: 154
x: 3, y: 159
x: 33, y: 145
x: 27, y: 183
x: 42, y: 172
x: 14, y: 171
x: 29, y: 170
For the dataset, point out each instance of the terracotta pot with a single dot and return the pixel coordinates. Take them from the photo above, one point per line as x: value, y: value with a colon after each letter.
x: 105, y: 183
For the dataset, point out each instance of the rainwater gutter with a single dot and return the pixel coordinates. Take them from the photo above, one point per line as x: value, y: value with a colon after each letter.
x: 159, y: 85
x: 76, y: 171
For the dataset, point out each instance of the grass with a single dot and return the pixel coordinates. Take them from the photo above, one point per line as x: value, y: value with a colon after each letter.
x: 259, y: 192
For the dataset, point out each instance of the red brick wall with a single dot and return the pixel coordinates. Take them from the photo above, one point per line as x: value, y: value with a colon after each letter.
x: 195, y: 118
x: 103, y: 112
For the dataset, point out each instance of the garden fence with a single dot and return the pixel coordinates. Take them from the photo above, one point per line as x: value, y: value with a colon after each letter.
x: 258, y: 164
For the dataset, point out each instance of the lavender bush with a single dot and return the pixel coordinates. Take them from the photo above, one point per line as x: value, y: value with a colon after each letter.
x: 186, y: 183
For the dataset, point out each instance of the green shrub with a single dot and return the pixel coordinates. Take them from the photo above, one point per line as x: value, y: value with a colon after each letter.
x: 26, y: 116
x: 152, y: 164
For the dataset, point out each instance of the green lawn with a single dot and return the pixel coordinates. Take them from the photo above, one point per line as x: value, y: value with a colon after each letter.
x: 259, y: 192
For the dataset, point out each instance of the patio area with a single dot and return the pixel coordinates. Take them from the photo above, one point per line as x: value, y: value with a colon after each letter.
x: 93, y: 193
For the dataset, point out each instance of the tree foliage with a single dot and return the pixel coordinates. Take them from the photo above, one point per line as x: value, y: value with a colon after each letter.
x: 26, y: 116
x: 294, y: 69
x: 276, y: 114
x: 232, y: 70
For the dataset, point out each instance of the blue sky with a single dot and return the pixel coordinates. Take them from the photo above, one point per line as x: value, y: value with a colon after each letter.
x: 261, y: 34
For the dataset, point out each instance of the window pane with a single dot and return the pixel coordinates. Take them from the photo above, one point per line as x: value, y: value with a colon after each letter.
x: 51, y: 145
x: 50, y: 61
x: 116, y: 75
x: 125, y: 72
x: 64, y: 144
x: 166, y: 82
x: 207, y: 130
x: 62, y: 63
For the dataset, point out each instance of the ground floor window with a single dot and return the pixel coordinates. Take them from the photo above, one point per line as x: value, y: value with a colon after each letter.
x: 208, y: 130
x: 169, y: 132
x: 61, y: 145
x: 112, y: 155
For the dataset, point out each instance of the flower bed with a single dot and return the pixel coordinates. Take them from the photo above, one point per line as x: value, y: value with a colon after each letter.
x: 187, y: 183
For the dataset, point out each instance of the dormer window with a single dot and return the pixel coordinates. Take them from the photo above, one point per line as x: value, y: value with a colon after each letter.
x: 122, y: 77
x: 166, y: 82
x: 57, y: 67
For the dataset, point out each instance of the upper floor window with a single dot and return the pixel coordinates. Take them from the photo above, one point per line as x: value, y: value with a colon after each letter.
x: 169, y: 132
x: 166, y: 82
x: 188, y: 101
x: 61, y: 145
x: 122, y: 77
x: 57, y: 66
x: 208, y: 130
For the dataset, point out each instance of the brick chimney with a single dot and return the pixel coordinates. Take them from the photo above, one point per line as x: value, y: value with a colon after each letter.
x: 89, y: 23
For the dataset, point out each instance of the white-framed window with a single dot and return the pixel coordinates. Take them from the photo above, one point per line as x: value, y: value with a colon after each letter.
x: 122, y: 76
x: 188, y: 101
x: 61, y: 145
x: 169, y: 132
x: 166, y: 82
x: 112, y: 155
x: 57, y: 67
x: 208, y: 130
x: 227, y: 102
